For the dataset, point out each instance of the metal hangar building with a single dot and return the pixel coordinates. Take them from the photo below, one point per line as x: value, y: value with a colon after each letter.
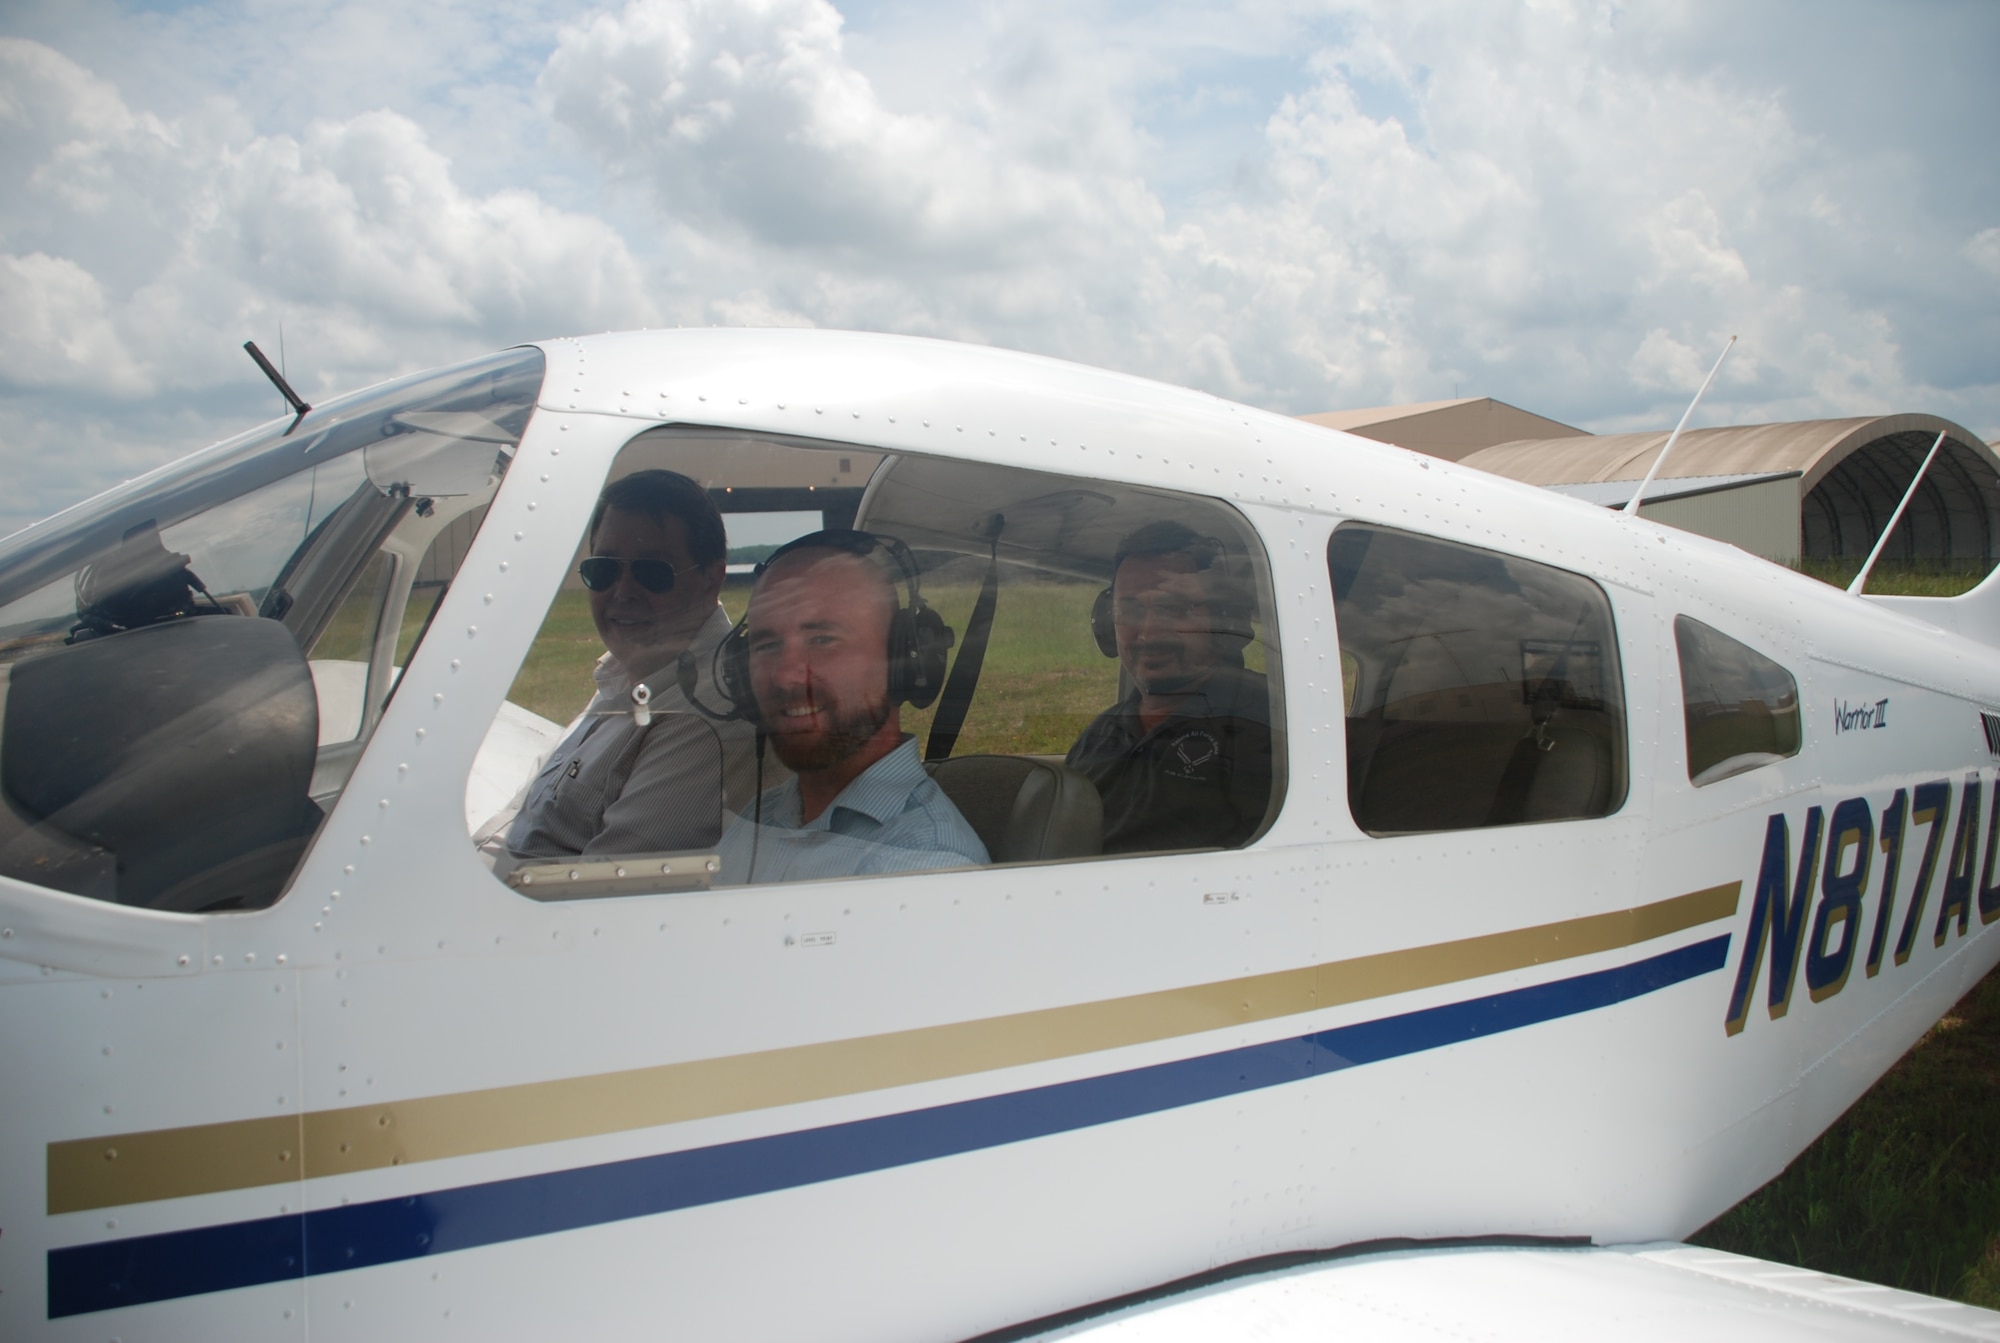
x: 1804, y: 489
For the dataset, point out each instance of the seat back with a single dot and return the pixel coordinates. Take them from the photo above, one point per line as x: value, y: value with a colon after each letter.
x: 180, y: 752
x: 1024, y: 809
x: 1416, y: 777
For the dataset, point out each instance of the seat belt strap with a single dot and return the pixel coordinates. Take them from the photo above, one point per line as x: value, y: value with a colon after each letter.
x: 958, y: 686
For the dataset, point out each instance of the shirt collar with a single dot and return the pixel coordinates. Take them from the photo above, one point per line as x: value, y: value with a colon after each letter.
x: 615, y: 682
x: 881, y: 793
x: 1218, y: 697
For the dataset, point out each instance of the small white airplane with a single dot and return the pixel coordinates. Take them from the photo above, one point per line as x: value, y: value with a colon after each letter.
x: 1595, y: 869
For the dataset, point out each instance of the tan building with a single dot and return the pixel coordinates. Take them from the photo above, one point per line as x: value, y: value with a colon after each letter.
x: 1447, y: 429
x: 1821, y: 489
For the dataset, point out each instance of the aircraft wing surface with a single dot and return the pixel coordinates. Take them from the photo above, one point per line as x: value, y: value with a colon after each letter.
x: 1633, y: 1293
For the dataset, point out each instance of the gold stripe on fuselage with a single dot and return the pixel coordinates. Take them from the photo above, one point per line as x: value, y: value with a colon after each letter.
x: 246, y: 1153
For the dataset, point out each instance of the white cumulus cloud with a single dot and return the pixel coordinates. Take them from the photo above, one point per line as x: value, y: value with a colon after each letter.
x: 1534, y: 202
x: 1567, y: 204
x: 746, y: 113
x: 138, y: 252
x: 789, y: 186
x: 58, y: 332
x: 1984, y: 249
x: 160, y: 244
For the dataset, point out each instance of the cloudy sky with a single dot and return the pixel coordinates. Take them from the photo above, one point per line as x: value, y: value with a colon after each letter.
x: 1303, y: 206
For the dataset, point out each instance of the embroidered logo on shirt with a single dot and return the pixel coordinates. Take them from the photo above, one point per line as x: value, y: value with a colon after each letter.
x: 1191, y: 752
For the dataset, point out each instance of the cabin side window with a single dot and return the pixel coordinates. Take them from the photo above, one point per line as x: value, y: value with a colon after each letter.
x: 189, y: 673
x: 1481, y: 689
x: 778, y: 660
x: 1741, y: 708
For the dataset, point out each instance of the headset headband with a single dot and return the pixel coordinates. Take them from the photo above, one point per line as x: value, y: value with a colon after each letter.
x: 1231, y: 607
x: 851, y: 541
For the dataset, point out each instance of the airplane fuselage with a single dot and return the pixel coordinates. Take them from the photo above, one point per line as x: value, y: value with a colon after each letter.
x: 405, y: 1100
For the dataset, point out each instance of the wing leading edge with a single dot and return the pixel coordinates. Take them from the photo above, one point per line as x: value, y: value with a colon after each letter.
x: 1634, y: 1293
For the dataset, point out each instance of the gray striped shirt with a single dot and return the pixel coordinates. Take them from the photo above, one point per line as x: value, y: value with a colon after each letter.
x: 891, y: 819
x: 613, y: 787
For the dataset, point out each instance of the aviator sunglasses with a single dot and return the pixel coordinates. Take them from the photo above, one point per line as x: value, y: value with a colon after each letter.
x: 599, y: 572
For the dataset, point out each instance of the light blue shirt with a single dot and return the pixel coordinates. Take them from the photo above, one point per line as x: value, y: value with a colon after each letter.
x: 892, y: 818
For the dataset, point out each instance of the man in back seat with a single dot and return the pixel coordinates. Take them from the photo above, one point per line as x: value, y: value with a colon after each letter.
x: 1184, y: 760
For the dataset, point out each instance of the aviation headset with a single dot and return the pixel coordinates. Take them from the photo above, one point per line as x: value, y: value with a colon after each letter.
x: 1230, y: 607
x: 919, y: 640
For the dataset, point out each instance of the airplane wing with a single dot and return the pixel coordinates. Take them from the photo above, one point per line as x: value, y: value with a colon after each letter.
x: 1632, y: 1293
x: 515, y: 747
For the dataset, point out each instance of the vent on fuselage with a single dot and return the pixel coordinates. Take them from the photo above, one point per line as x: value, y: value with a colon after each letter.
x: 1991, y: 722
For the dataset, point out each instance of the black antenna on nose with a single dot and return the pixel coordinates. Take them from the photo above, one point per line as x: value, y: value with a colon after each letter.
x: 278, y: 381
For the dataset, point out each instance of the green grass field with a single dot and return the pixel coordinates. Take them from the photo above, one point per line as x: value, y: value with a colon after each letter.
x: 1895, y: 579
x: 555, y: 680
x: 1043, y: 679
x: 1905, y: 1188
x: 1042, y: 682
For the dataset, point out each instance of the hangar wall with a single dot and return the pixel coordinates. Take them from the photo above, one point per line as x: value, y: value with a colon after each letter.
x: 1761, y: 517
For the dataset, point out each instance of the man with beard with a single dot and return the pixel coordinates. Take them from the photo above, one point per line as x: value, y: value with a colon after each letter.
x: 658, y: 556
x: 1184, y: 760
x: 817, y: 654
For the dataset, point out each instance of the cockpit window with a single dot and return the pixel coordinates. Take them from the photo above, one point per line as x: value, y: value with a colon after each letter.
x: 1741, y: 708
x: 190, y: 666
x: 1482, y: 689
x: 786, y: 661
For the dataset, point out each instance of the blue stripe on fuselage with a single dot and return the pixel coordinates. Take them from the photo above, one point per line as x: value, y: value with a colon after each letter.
x: 141, y: 1269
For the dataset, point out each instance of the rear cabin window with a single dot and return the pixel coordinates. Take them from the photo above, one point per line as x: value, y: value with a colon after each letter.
x: 1481, y: 689
x: 1741, y: 708
x: 861, y: 663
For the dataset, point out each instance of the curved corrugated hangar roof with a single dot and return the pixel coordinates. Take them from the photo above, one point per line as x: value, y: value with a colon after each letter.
x: 1851, y: 475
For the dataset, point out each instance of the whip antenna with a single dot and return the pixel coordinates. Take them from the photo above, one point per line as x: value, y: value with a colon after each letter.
x: 1854, y: 588
x: 1632, y: 505
x: 292, y: 398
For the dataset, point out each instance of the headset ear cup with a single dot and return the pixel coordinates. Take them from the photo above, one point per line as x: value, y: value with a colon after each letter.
x: 902, y: 651
x: 734, y: 674
x: 1102, y: 628
x: 934, y: 639
x: 919, y: 647
x: 1235, y: 608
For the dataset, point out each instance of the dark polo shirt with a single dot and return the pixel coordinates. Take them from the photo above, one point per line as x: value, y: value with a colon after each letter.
x: 1201, y: 779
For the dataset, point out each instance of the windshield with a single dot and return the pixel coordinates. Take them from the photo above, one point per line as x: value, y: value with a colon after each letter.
x: 486, y: 400
x: 191, y: 665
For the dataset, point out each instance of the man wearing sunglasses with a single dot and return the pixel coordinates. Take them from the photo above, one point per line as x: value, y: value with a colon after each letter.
x: 658, y: 556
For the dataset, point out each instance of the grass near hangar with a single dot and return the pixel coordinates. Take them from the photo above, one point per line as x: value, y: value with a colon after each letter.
x: 1903, y: 1190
